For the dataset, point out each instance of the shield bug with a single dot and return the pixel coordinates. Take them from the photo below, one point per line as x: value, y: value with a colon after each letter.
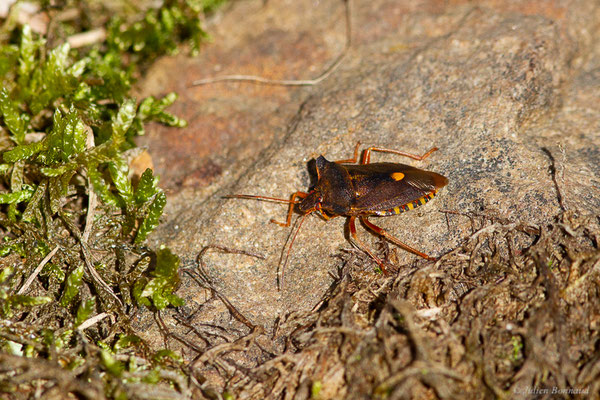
x: 363, y: 190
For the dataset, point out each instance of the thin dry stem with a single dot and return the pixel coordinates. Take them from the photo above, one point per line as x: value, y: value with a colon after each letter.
x: 38, y: 269
x: 291, y: 82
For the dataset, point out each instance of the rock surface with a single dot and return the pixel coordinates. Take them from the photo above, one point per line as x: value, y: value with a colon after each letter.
x: 508, y: 91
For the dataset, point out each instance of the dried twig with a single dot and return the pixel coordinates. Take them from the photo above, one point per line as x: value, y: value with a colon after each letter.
x: 92, y: 321
x: 291, y: 82
x: 206, y: 282
x: 92, y: 197
x: 37, y: 271
x: 87, y: 38
x: 553, y: 174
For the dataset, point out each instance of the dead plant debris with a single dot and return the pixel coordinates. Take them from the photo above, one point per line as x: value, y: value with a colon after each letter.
x: 512, y: 312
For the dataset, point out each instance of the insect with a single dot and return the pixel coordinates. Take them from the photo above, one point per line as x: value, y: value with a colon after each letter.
x: 361, y: 191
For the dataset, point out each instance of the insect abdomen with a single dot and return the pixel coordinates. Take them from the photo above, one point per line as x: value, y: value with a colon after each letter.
x: 408, y: 206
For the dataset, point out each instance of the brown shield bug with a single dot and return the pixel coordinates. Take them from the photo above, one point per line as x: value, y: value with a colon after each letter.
x: 363, y: 190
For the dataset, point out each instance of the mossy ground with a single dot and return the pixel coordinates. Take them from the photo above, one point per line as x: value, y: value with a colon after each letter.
x: 512, y: 311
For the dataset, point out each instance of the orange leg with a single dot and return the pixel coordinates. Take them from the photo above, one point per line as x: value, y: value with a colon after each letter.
x: 362, y: 246
x: 392, y: 239
x: 291, y: 209
x: 366, y: 158
x: 353, y: 159
x: 325, y: 216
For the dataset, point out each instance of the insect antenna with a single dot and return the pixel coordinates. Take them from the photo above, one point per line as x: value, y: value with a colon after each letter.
x: 273, y: 199
x: 287, y: 254
x: 295, y: 199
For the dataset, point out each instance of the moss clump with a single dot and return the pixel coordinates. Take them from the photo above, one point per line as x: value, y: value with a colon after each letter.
x: 73, y: 217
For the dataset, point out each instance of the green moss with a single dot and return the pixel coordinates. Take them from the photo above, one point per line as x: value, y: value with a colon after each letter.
x: 67, y: 117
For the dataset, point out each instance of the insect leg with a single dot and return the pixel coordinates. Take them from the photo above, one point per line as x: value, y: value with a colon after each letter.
x: 362, y: 246
x: 394, y: 240
x: 354, y: 157
x: 292, y: 201
x: 324, y: 216
x: 366, y: 158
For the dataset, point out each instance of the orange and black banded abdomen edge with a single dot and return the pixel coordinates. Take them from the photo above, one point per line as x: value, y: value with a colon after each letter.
x: 407, y: 207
